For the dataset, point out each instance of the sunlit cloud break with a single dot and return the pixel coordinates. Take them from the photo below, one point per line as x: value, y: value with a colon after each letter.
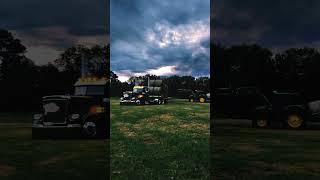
x: 124, y: 76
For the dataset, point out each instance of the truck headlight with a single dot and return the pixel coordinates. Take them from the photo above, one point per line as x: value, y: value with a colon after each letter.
x: 37, y: 117
x: 140, y: 96
x: 74, y: 117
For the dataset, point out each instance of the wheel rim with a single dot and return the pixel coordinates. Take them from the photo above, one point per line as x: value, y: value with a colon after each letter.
x: 262, y: 122
x: 295, y: 121
x: 138, y: 102
x: 202, y: 100
x: 90, y: 129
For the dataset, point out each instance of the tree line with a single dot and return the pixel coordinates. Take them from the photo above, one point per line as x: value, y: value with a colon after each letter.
x: 23, y: 82
x: 293, y: 69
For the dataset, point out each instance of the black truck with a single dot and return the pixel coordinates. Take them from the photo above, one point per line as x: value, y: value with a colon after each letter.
x: 291, y: 109
x: 155, y: 92
x: 85, y: 113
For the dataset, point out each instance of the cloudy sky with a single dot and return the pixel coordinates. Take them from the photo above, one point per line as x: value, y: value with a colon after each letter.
x: 47, y: 28
x: 167, y: 37
x: 270, y: 23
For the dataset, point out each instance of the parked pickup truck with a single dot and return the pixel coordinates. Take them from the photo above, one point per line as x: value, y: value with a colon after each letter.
x: 290, y: 109
x: 86, y: 112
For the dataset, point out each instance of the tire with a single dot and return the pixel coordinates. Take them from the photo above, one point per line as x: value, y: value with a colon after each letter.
x: 90, y: 129
x: 260, y: 122
x: 294, y: 120
x: 138, y: 102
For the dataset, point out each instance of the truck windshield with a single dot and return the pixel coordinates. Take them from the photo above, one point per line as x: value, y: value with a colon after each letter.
x: 89, y: 90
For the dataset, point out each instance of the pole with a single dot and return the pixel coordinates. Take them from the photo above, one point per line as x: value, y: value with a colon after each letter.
x: 82, y: 66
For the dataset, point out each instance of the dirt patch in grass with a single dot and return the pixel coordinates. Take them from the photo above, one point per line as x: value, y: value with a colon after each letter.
x: 198, y: 127
x: 125, y: 130
x: 6, y: 170
x: 54, y: 160
x: 171, y: 124
x: 160, y: 118
x: 248, y: 148
x: 150, y: 139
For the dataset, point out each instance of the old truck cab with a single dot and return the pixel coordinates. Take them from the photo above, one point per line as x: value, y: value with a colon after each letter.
x: 86, y: 112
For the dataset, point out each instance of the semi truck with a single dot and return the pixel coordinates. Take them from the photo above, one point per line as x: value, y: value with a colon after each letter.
x: 155, y: 92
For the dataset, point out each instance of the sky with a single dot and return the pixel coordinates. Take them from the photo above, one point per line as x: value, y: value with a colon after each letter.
x: 164, y: 38
x: 47, y: 28
x: 276, y: 24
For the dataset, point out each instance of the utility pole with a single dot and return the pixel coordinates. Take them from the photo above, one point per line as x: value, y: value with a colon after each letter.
x: 83, y: 66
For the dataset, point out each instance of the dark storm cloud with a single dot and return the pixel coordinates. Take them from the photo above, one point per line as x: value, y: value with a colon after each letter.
x: 150, y: 34
x: 51, y: 26
x: 270, y: 23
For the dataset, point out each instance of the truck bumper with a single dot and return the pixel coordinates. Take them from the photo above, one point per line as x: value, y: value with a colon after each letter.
x: 127, y: 102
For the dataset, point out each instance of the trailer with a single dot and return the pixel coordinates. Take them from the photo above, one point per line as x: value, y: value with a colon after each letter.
x: 155, y: 92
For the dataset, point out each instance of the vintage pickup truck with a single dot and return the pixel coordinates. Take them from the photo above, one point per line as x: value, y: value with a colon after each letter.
x: 290, y: 109
x: 85, y: 113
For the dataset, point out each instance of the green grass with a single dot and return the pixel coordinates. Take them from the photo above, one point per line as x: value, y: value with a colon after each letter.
x: 160, y: 141
x: 148, y: 142
x: 15, y: 117
x: 24, y: 158
x: 241, y: 152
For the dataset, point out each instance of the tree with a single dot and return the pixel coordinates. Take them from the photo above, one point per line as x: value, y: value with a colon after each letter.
x: 17, y: 74
x: 97, y: 61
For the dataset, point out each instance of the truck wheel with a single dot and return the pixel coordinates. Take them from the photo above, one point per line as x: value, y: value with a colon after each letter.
x: 138, y: 102
x: 260, y: 121
x: 89, y: 129
x: 294, y: 121
x: 202, y: 100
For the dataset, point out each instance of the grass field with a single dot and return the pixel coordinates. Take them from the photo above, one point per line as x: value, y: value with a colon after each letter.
x: 160, y: 141
x: 24, y: 158
x: 148, y: 142
x: 241, y: 152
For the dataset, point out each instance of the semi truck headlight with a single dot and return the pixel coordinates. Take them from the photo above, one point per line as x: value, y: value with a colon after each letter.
x: 75, y: 116
x: 140, y: 96
x: 97, y: 109
x: 37, y: 117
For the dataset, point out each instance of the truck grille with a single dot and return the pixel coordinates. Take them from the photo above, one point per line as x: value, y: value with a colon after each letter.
x: 55, y: 111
